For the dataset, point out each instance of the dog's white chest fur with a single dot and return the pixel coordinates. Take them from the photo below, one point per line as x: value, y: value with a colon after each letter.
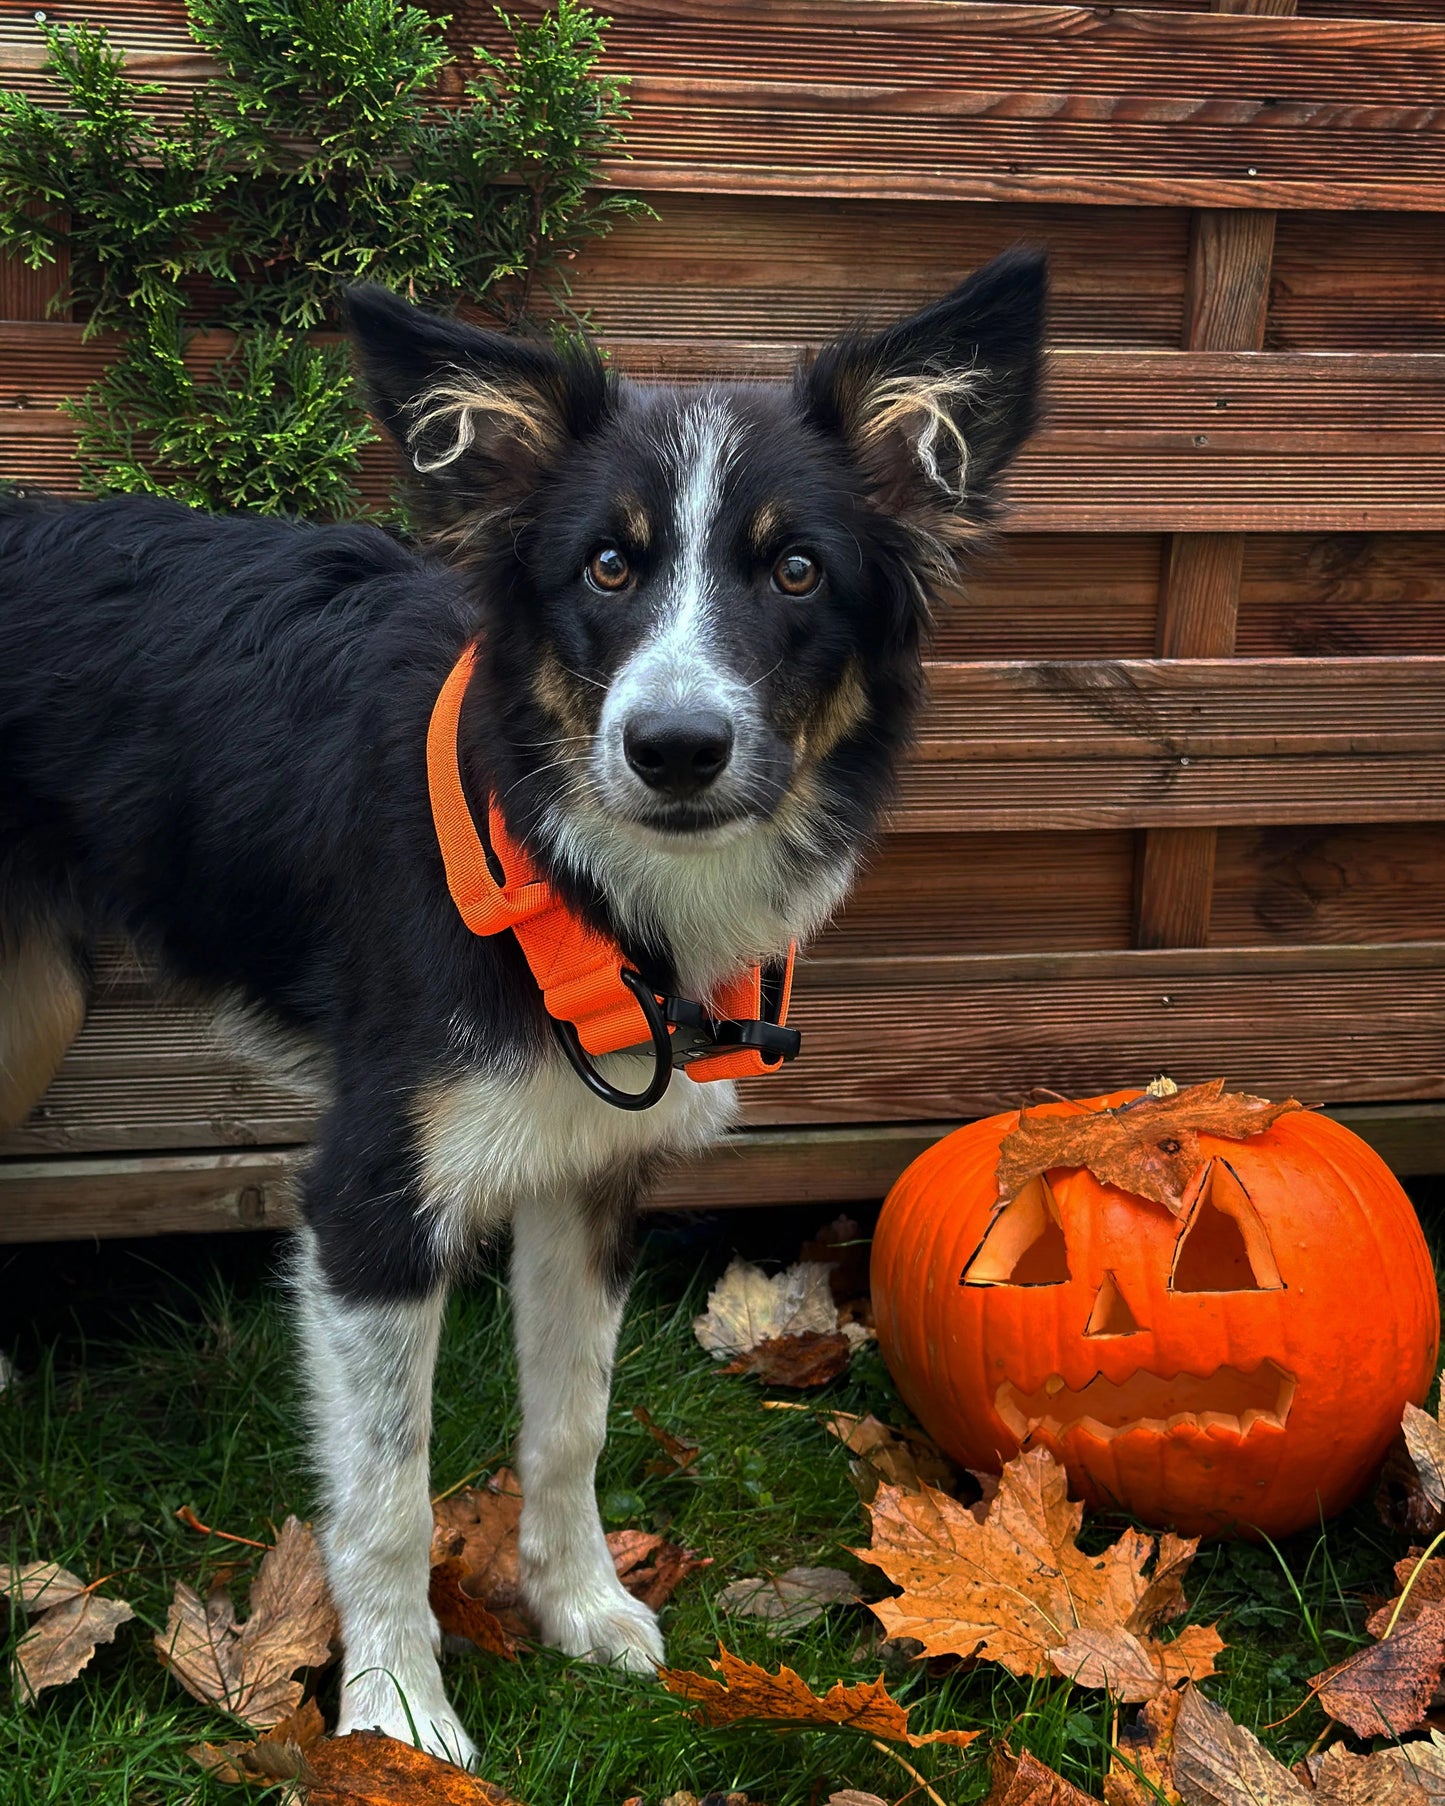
x: 488, y: 1139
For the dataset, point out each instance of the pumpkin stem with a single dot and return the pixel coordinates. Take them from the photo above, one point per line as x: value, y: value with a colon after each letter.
x: 1163, y: 1086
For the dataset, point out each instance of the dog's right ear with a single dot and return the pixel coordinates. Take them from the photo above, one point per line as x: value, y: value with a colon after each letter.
x: 479, y: 415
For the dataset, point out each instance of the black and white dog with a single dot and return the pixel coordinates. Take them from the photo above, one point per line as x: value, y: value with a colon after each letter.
x: 699, y: 614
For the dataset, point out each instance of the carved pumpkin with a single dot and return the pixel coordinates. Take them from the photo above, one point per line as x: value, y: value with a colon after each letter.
x: 1235, y: 1368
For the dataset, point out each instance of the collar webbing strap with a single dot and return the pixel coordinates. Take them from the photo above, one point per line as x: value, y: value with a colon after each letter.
x: 577, y: 970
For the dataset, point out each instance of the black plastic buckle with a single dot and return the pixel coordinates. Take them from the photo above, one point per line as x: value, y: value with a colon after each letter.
x: 681, y: 1031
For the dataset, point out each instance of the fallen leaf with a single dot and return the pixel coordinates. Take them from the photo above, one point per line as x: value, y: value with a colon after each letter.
x: 476, y: 1562
x: 72, y: 1620
x: 650, y: 1567
x: 248, y: 1669
x: 1217, y: 1762
x: 1386, y: 1690
x: 367, y: 1769
x: 789, y: 1600
x: 749, y: 1692
x: 719, y: 1797
x: 280, y: 1754
x: 1425, y: 1443
x: 1023, y: 1780
x: 1344, y: 1779
x: 677, y: 1451
x: 747, y: 1307
x: 851, y: 1797
x: 1425, y: 1579
x: 479, y: 1527
x: 807, y: 1359
x: 1423, y: 1761
x: 1016, y: 1589
x: 1149, y: 1148
x: 1141, y: 1764
x: 905, y: 1458
x: 1400, y: 1500
x: 460, y: 1615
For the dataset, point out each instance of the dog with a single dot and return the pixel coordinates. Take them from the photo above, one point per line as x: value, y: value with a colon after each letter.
x: 696, y: 617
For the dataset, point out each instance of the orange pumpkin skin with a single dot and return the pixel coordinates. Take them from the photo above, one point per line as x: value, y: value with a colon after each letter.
x: 1355, y: 1324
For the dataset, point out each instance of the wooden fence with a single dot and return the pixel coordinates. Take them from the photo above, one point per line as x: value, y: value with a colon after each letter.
x: 1178, y: 802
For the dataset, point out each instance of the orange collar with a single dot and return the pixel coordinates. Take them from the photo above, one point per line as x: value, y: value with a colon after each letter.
x: 579, y: 971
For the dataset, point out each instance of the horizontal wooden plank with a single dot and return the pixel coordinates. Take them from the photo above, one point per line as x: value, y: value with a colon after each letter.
x: 1136, y: 441
x: 901, y: 1038
x: 1372, y: 881
x: 923, y: 99
x: 1178, y: 743
x: 1341, y: 595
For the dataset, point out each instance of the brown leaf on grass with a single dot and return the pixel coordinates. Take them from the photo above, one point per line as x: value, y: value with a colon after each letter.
x: 1023, y: 1780
x: 71, y: 1621
x: 1411, y: 1496
x: 1344, y: 1779
x: 905, y: 1458
x: 461, y: 1615
x: 650, y: 1567
x: 747, y: 1691
x: 367, y: 1769
x: 1016, y: 1588
x: 809, y: 1359
x: 789, y: 1600
x: 1386, y: 1690
x: 248, y: 1669
x: 280, y: 1754
x: 678, y: 1452
x: 1423, y: 1761
x: 851, y: 1797
x: 1425, y: 1443
x: 747, y: 1307
x: 1216, y: 1762
x: 1149, y: 1148
x: 476, y: 1562
x: 1425, y: 1579
x: 1141, y: 1764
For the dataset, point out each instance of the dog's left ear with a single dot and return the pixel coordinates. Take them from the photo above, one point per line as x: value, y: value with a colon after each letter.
x: 934, y: 408
x: 480, y: 416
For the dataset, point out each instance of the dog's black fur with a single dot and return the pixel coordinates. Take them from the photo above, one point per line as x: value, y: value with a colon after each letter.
x: 212, y: 730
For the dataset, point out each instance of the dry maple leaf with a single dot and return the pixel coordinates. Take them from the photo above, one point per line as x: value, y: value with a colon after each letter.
x: 1416, y: 1472
x: 786, y: 1700
x: 808, y: 1359
x: 905, y: 1458
x: 476, y: 1562
x: 248, y: 1669
x: 1141, y: 1764
x: 678, y: 1452
x: 650, y: 1567
x: 280, y: 1754
x: 789, y: 1600
x: 1386, y: 1690
x: 1149, y: 1148
x: 1023, y: 1780
x: 367, y: 1769
x: 1017, y: 1589
x: 746, y: 1307
x: 71, y: 1621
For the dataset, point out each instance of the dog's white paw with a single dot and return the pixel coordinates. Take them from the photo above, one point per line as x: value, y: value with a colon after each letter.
x: 419, y: 1715
x: 616, y: 1628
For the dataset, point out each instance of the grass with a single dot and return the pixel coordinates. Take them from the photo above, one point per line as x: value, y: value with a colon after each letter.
x: 158, y: 1375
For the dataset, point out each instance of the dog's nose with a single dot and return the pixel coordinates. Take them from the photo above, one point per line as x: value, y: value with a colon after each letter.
x: 678, y: 752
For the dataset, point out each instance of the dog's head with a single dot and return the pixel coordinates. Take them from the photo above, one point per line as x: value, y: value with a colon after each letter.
x: 704, y: 606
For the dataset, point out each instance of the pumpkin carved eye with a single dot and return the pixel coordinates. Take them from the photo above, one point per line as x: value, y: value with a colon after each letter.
x: 1024, y: 1245
x: 1223, y: 1246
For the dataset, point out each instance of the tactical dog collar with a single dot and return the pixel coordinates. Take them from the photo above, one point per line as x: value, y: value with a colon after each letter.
x: 598, y: 1003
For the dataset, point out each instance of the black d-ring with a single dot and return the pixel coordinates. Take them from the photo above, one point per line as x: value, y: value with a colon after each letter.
x: 566, y: 1033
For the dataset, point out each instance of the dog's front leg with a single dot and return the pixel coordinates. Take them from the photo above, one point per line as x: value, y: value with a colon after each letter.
x: 368, y: 1369
x: 570, y: 1267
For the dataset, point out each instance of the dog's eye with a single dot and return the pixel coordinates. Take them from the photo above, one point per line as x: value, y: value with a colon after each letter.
x: 797, y: 574
x: 608, y: 570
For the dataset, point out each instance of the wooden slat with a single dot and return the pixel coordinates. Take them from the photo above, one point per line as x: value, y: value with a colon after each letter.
x: 1357, y: 282
x: 1384, y: 881
x: 104, y: 1197
x: 1346, y: 595
x: 1137, y: 442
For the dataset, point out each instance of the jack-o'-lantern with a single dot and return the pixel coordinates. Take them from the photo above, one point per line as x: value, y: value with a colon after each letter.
x: 1222, y: 1339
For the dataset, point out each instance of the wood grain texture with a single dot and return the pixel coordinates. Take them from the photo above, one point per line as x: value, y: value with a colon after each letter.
x: 1176, y: 882
x: 1382, y: 881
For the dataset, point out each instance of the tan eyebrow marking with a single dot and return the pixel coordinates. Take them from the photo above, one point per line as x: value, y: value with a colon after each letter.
x: 636, y: 521
x: 765, y: 527
x: 563, y: 699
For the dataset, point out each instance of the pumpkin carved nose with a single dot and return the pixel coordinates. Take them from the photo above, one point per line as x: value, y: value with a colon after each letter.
x: 1111, y: 1315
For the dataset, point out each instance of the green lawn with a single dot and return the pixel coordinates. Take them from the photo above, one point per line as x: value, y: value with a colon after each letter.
x: 157, y: 1375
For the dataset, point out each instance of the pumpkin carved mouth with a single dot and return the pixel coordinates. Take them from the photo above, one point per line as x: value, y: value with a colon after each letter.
x: 1230, y: 1399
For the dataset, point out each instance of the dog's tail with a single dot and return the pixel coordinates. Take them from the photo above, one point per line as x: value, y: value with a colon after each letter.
x: 44, y: 981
